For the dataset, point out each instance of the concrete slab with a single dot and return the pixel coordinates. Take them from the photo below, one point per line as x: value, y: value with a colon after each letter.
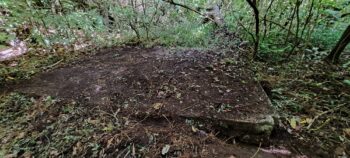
x: 191, y: 84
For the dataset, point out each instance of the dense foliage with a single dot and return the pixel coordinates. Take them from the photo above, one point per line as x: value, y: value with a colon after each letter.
x: 286, y: 26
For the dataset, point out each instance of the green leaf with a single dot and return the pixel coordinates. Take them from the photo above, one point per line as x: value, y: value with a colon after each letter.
x: 109, y: 127
x: 293, y: 123
x: 347, y: 82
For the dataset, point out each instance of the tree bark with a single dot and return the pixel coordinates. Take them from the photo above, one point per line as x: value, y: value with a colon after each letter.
x: 344, y: 40
x: 253, y: 5
x: 265, y: 18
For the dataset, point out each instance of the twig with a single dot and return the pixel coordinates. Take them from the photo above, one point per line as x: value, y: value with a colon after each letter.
x: 322, y: 125
x: 53, y: 65
x: 189, y: 8
x: 183, y: 6
x: 186, y: 108
x: 244, y: 28
x: 167, y: 120
x: 257, y: 151
x: 281, y: 26
x: 113, y: 114
x: 265, y: 17
x: 323, y: 113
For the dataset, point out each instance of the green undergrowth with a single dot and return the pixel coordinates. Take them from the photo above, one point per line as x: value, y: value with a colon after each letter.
x: 47, y: 127
x: 188, y: 35
x: 326, y: 38
x: 312, y: 99
x: 23, y: 68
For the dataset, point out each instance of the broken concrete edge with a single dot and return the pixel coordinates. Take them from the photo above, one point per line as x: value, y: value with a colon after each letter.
x: 253, y: 130
x: 275, y: 116
x: 259, y: 126
x: 263, y: 126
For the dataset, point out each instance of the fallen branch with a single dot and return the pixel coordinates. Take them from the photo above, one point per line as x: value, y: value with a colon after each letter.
x: 323, y: 113
x: 183, y: 6
x: 344, y: 15
x: 53, y: 65
x: 281, y: 26
x: 189, y: 8
x: 257, y: 151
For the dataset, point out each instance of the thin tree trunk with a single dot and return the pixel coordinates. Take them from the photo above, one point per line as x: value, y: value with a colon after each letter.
x: 311, y: 29
x: 134, y: 25
x: 291, y: 24
x: 190, y: 9
x: 334, y: 55
x: 265, y: 18
x: 296, y: 40
x: 308, y: 18
x: 253, y: 5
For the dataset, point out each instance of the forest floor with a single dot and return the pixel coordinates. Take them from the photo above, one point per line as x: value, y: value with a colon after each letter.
x: 84, y: 122
x: 313, y: 100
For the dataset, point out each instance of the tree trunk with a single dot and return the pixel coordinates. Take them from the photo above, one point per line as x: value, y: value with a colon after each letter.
x: 254, y: 6
x: 334, y: 55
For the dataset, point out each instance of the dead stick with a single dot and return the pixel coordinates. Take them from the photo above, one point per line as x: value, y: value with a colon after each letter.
x: 323, y: 113
x: 257, y: 151
x: 189, y: 8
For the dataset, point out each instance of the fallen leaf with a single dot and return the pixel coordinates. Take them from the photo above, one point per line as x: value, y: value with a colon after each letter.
x: 165, y: 149
x: 10, y: 78
x: 54, y: 153
x: 347, y: 82
x: 94, y: 122
x: 21, y: 135
x: 77, y: 148
x: 157, y: 106
x: 306, y: 121
x: 109, y: 127
x: 216, y: 79
x: 194, y: 129
x: 339, y: 151
x: 110, y: 142
x: 27, y: 154
x: 178, y: 95
x: 347, y: 131
x: 293, y: 123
